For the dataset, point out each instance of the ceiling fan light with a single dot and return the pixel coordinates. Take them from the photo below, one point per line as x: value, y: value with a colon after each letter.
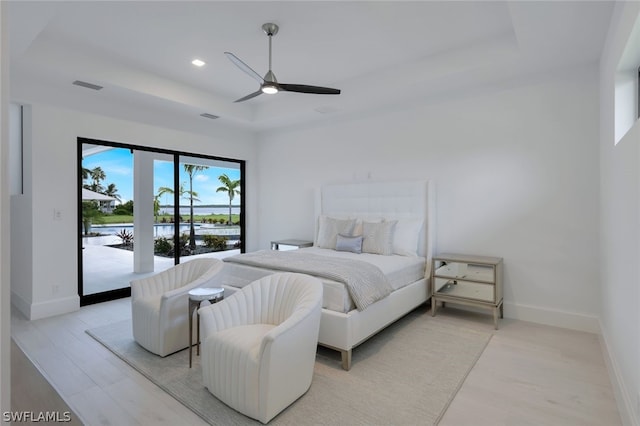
x: 269, y: 89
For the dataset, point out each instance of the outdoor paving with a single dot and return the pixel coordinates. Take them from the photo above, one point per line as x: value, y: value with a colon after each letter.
x: 108, y: 268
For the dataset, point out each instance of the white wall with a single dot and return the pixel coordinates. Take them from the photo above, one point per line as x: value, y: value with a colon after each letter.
x: 5, y: 318
x: 516, y: 175
x: 620, y: 226
x: 50, y: 164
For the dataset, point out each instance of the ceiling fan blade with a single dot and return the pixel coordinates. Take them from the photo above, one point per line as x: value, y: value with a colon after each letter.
x: 302, y: 88
x: 244, y: 67
x: 250, y: 96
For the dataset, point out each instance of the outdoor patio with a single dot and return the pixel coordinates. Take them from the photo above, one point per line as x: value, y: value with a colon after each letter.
x: 108, y: 268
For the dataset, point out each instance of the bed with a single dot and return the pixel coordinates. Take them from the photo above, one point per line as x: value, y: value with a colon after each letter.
x: 402, y: 209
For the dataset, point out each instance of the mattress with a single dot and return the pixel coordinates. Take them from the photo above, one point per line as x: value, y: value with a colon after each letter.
x: 399, y: 270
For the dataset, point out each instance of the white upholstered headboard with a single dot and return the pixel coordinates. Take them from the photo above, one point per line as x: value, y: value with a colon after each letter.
x: 387, y: 199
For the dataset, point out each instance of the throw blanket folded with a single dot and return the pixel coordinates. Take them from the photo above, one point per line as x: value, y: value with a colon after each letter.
x: 365, y: 282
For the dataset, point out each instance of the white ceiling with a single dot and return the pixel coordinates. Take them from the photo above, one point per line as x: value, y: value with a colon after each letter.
x: 380, y: 54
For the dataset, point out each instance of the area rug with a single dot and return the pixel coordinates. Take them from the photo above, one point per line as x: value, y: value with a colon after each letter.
x: 405, y: 375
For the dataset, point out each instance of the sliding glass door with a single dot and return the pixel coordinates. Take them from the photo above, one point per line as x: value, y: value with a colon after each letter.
x: 142, y: 211
x: 210, y: 205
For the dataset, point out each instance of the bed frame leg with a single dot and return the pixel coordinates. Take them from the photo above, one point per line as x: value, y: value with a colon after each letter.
x: 346, y: 360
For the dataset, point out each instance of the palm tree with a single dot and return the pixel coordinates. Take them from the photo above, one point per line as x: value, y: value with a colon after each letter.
x: 192, y: 170
x: 86, y: 173
x: 231, y: 187
x: 112, y: 191
x: 91, y: 213
x: 156, y: 206
x: 192, y: 195
x: 163, y: 190
x: 98, y: 175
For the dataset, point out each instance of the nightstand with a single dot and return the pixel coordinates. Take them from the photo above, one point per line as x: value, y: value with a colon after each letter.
x: 275, y: 245
x: 468, y: 280
x: 196, y: 297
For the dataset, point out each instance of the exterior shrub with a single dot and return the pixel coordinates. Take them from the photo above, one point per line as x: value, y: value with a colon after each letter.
x: 125, y: 236
x: 217, y: 242
x: 162, y: 245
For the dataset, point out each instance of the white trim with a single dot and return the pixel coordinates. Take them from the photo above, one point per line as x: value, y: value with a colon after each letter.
x: 49, y: 308
x: 553, y: 317
x: 623, y: 399
x: 539, y: 315
x: 21, y: 305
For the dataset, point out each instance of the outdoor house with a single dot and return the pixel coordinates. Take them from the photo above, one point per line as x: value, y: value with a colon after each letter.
x: 524, y: 115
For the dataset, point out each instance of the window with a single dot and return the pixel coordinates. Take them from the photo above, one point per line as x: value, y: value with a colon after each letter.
x: 627, y: 85
x: 143, y: 210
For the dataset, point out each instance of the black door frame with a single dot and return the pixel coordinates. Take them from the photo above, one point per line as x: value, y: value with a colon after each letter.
x: 126, y: 292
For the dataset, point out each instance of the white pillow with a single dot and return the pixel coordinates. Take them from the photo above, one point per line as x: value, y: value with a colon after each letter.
x: 378, y: 237
x: 329, y: 228
x: 406, y: 237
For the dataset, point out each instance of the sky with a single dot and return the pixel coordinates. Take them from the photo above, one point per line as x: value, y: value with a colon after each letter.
x: 117, y: 165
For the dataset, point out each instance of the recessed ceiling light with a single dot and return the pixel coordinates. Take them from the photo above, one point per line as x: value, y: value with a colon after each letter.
x: 198, y: 62
x: 326, y: 109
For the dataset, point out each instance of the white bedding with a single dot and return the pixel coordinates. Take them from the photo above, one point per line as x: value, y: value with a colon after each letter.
x: 399, y: 270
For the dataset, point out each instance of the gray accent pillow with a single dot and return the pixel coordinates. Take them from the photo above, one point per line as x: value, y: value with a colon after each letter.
x: 378, y: 237
x: 349, y: 243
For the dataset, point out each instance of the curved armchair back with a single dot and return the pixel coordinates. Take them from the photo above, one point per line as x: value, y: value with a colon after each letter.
x: 259, y: 344
x: 269, y: 300
x: 194, y: 273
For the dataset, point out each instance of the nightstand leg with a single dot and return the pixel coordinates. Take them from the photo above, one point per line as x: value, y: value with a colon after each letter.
x: 434, y: 306
x: 198, y: 333
x: 192, y: 308
x: 495, y: 317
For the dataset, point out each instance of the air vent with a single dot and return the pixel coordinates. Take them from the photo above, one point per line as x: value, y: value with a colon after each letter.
x: 207, y: 115
x: 326, y: 109
x: 87, y: 85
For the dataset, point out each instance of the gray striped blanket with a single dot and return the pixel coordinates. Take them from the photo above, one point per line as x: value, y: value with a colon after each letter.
x: 365, y: 282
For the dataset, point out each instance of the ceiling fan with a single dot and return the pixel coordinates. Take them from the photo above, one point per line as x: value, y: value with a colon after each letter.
x: 269, y: 84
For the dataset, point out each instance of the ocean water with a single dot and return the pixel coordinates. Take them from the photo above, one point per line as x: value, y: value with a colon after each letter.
x: 185, y: 211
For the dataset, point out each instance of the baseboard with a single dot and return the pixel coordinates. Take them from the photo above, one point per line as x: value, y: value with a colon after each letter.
x: 543, y: 316
x: 34, y: 311
x: 557, y: 318
x: 20, y: 304
x: 624, y: 401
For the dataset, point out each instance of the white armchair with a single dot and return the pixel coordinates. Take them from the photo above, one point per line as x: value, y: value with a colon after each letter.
x: 259, y: 345
x: 159, y: 304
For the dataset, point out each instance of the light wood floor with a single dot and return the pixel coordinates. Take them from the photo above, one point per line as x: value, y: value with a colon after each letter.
x: 528, y: 375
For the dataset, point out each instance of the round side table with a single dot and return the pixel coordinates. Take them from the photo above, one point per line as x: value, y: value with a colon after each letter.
x: 196, y: 297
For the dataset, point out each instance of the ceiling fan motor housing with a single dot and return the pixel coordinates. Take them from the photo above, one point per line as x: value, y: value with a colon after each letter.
x: 270, y: 29
x: 270, y: 77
